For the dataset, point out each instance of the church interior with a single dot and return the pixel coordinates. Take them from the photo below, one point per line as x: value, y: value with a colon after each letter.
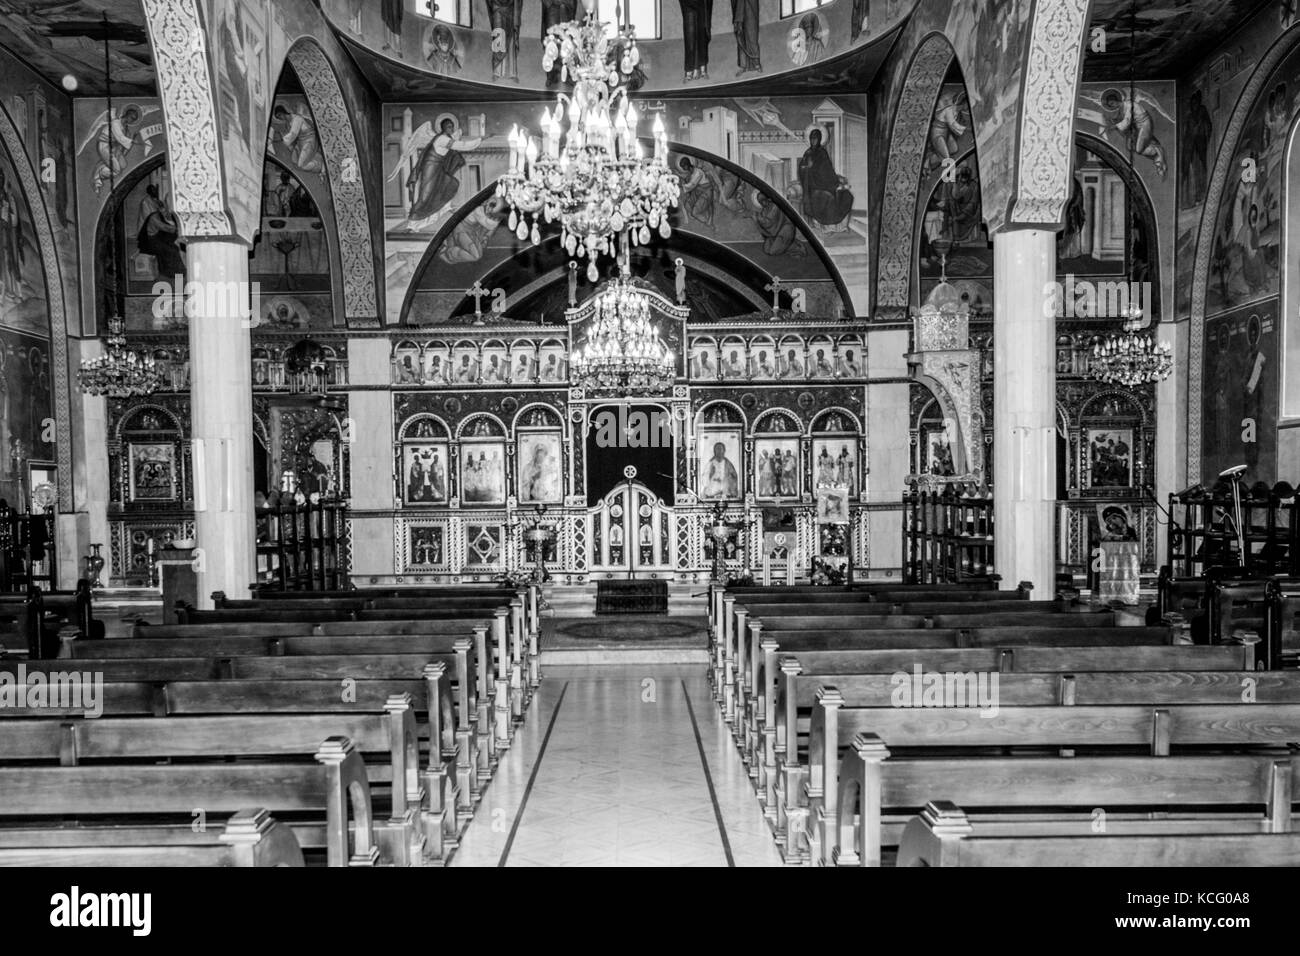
x: 666, y: 444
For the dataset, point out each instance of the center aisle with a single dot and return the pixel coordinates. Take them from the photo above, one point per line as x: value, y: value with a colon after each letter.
x: 625, y: 765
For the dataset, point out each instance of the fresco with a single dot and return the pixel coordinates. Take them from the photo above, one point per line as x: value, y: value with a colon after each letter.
x: 438, y: 159
x: 67, y: 36
x: 23, y: 297
x: 1169, y: 33
x: 1239, y: 411
x: 1206, y: 100
x: 42, y: 116
x: 26, y: 408
x: 698, y: 41
x: 1247, y: 234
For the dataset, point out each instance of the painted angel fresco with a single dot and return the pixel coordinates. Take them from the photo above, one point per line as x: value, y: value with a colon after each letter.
x: 113, y: 136
x: 433, y: 183
x: 1131, y: 118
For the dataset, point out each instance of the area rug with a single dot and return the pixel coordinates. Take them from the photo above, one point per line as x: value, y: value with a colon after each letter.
x: 657, y: 630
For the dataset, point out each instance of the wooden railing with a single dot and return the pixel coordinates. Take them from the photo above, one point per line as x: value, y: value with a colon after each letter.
x: 302, y: 546
x: 947, y: 537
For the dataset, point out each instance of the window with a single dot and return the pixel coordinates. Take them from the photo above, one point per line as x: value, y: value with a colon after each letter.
x: 643, y: 14
x: 790, y: 7
x: 455, y: 12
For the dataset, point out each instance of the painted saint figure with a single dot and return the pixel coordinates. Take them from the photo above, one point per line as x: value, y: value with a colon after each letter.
x: 297, y: 130
x: 827, y: 199
x: 720, y: 477
x: 697, y: 30
x: 744, y: 20
x: 159, y: 235
x: 504, y: 17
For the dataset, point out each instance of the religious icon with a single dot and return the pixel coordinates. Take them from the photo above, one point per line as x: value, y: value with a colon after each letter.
x: 835, y: 463
x: 776, y: 468
x: 832, y: 506
x: 718, y: 466
x: 734, y: 359
x: 790, y: 360
x: 704, y: 361
x: 434, y: 183
x: 483, y: 473
x: 424, y: 472
x: 1115, y: 523
x: 465, y: 366
x: 407, y: 367
x: 523, y: 367
x: 821, y: 358
x: 762, y: 358
x: 153, y: 472
x: 1110, y: 457
x: 552, y: 362
x: 540, y: 462
x: 493, y: 365
x: 425, y: 546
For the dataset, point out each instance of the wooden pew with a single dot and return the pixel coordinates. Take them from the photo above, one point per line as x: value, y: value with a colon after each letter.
x: 334, y: 786
x: 745, y: 700
x: 517, y: 652
x: 942, y: 835
x: 389, y: 734
x: 249, y: 838
x: 1155, y: 729
x: 789, y: 702
x: 467, y: 756
x: 36, y: 617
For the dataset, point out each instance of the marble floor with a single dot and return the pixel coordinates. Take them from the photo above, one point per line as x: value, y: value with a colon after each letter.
x: 620, y: 765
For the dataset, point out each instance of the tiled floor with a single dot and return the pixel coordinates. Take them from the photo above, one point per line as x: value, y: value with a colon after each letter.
x: 610, y: 770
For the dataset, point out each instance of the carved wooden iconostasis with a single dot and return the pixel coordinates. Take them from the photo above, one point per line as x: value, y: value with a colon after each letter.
x: 764, y: 418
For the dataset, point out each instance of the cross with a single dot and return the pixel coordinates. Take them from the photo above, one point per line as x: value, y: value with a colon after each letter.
x: 478, y: 292
x: 774, y: 287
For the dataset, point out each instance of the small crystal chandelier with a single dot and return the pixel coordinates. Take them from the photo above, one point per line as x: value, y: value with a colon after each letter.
x: 120, y: 372
x: 1131, y: 357
x: 588, y: 172
x: 623, y: 353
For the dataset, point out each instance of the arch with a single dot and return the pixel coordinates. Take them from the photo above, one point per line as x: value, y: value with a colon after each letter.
x: 338, y: 142
x: 1224, y: 164
x: 806, y: 234
x: 1049, y: 88
x: 137, y: 410
x: 55, y: 304
x: 477, y: 416
x: 908, y: 136
x: 1123, y: 394
x: 556, y: 420
x: 777, y: 411
x: 731, y: 408
x: 402, y: 431
x: 186, y: 86
x: 832, y: 410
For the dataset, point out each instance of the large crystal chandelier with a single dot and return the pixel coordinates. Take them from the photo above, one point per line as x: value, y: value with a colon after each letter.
x: 622, y: 352
x: 588, y: 172
x: 119, y: 372
x: 1132, y: 357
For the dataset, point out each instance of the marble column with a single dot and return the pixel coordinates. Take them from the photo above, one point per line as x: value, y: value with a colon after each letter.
x: 1024, y: 409
x: 221, y: 413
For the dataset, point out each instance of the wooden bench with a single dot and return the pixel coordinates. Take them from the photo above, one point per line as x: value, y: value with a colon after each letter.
x: 748, y: 683
x: 250, y: 838
x: 37, y: 617
x: 515, y: 645
x: 942, y: 835
x: 868, y: 734
x: 389, y: 735
x: 310, y: 683
x: 335, y: 787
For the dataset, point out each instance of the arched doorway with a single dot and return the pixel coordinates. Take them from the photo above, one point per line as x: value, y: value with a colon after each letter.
x: 630, y: 459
